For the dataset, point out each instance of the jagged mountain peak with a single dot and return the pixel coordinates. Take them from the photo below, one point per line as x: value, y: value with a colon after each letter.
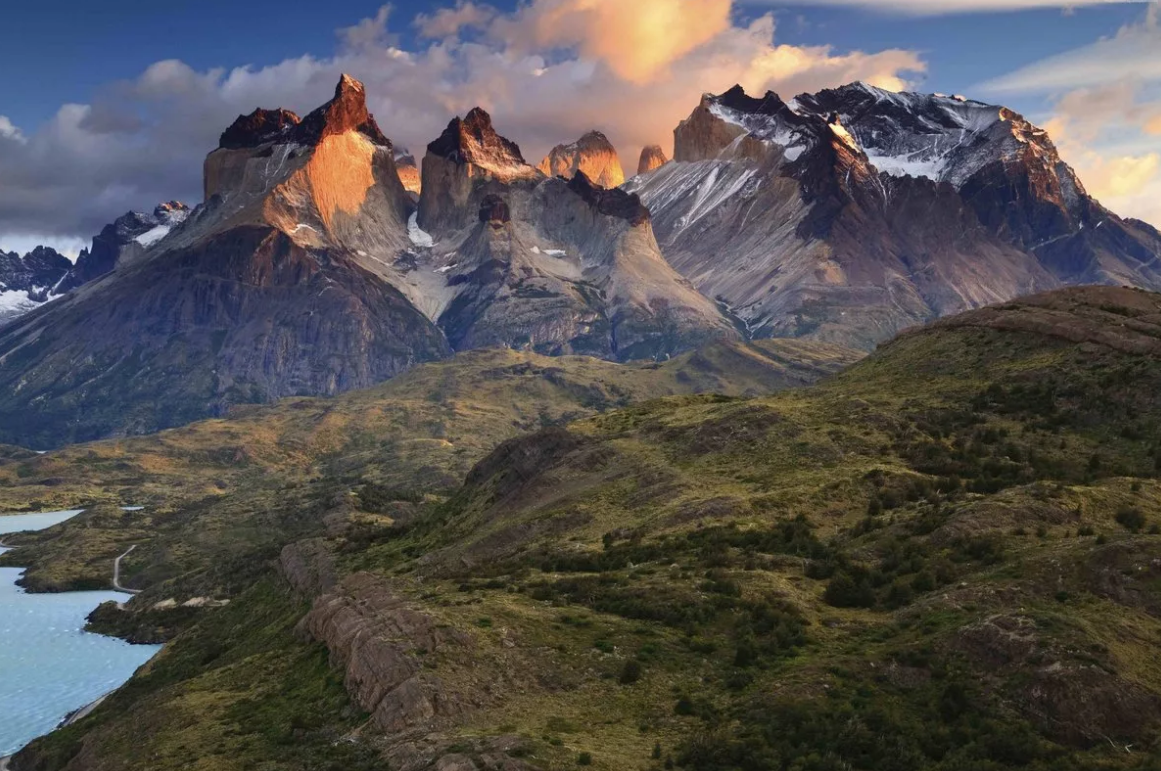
x: 593, y: 154
x: 652, y: 157
x: 853, y: 212
x: 258, y: 128
x: 736, y: 98
x: 346, y: 111
x: 472, y: 140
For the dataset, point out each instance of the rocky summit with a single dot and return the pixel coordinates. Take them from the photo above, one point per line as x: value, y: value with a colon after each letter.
x: 553, y: 265
x: 280, y: 283
x: 850, y: 214
x: 593, y: 155
x: 652, y: 157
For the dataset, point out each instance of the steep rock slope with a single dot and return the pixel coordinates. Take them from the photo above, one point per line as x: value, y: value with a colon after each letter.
x: 126, y: 238
x: 408, y: 171
x: 279, y: 284
x: 553, y: 265
x: 850, y: 214
x: 593, y: 154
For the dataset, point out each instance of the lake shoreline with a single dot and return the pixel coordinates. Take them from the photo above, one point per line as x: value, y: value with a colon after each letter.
x: 35, y: 712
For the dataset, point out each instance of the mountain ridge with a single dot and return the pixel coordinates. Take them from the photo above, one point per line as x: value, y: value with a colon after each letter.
x: 845, y: 254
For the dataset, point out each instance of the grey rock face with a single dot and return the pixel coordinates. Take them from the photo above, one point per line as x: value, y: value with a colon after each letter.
x: 851, y: 214
x: 554, y: 266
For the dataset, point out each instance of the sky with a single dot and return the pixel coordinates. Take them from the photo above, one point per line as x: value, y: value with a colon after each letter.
x: 113, y: 106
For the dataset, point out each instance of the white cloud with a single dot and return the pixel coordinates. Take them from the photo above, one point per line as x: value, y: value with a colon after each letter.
x: 448, y: 22
x: 944, y: 7
x: 9, y: 131
x: 636, y: 40
x: 632, y: 75
x: 1106, y: 114
x: 1133, y: 54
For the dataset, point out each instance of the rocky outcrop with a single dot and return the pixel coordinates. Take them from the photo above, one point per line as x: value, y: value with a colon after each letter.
x: 1074, y: 699
x: 381, y: 644
x: 468, y: 162
x: 125, y: 239
x: 593, y: 155
x: 652, y: 157
x: 309, y: 567
x: 29, y: 281
x: 346, y: 112
x: 259, y: 128
x: 851, y: 214
x: 610, y: 202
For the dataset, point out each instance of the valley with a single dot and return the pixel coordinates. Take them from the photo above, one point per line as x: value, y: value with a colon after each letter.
x: 953, y: 535
x: 830, y: 440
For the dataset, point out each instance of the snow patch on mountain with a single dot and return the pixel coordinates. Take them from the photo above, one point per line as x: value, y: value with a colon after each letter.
x: 697, y: 189
x: 150, y: 237
x: 767, y: 128
x: 419, y: 237
x: 14, y: 303
x: 167, y: 219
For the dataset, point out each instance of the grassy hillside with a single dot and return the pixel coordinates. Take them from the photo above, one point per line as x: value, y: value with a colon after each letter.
x: 222, y: 496
x: 948, y: 557
x: 424, y: 428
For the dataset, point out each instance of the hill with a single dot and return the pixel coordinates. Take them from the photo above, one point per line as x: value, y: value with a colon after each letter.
x: 226, y: 485
x: 944, y: 558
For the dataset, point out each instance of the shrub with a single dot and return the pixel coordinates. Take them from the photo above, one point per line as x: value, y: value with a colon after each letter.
x: 631, y: 672
x: 844, y: 591
x: 1131, y: 519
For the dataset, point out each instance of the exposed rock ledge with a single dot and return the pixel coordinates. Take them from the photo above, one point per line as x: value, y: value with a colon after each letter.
x: 376, y: 640
x: 389, y: 654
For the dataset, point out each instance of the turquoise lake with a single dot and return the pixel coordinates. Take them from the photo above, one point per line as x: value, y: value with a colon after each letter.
x: 49, y: 666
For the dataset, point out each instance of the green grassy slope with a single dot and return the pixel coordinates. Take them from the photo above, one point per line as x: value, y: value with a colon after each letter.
x: 221, y: 496
x: 948, y: 557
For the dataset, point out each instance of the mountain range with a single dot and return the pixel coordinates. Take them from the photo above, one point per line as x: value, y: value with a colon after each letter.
x: 323, y: 259
x: 776, y: 455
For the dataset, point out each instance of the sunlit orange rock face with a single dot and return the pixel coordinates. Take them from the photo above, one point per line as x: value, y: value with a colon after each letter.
x: 328, y: 180
x: 283, y: 282
x: 652, y: 157
x: 592, y: 154
x: 408, y: 172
